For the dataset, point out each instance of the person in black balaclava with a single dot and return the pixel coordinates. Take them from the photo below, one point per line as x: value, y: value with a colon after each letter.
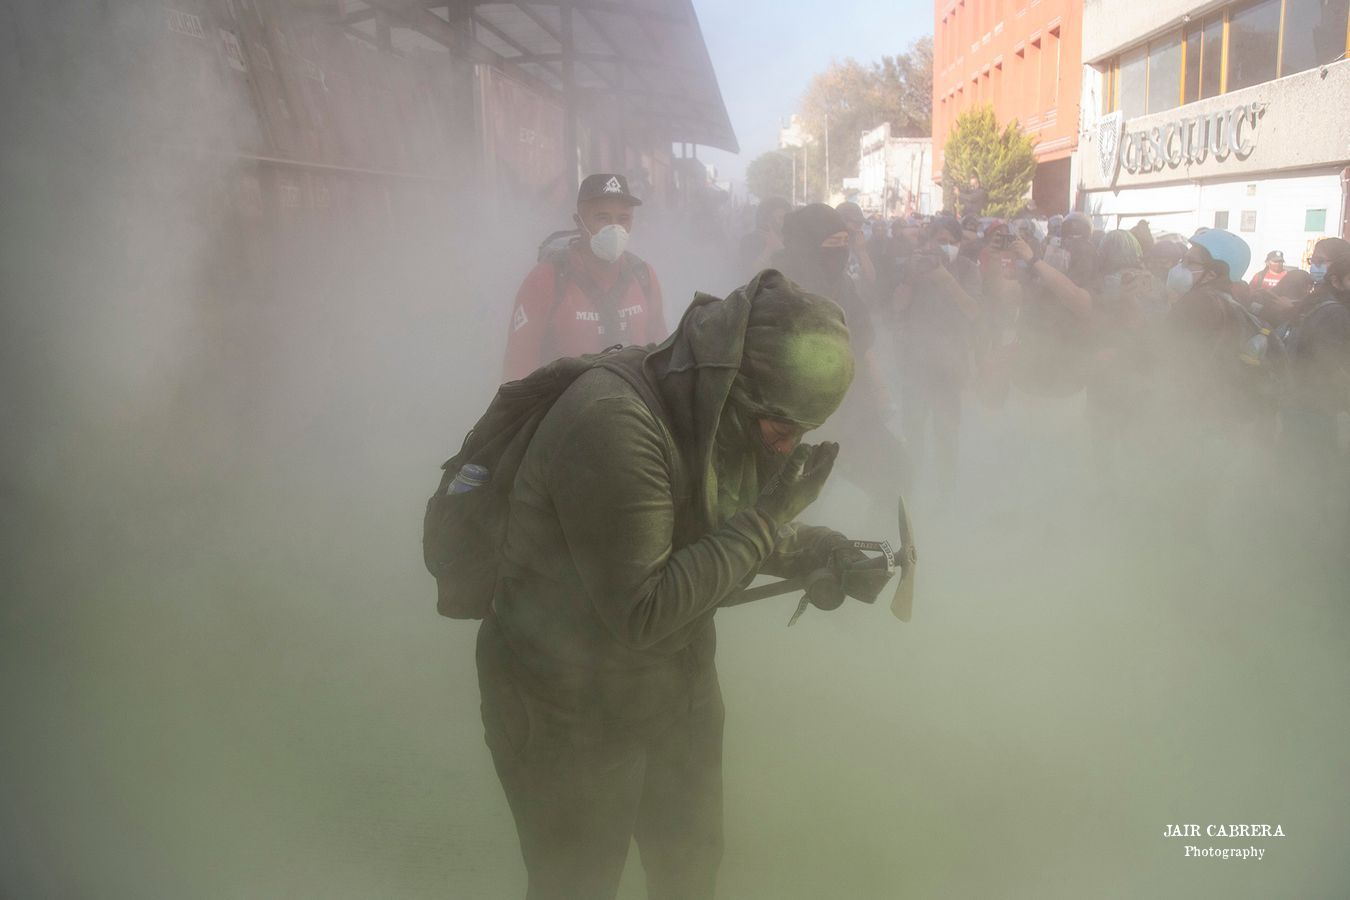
x: 815, y: 255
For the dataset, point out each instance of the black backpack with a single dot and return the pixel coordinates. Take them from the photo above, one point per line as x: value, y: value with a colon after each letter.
x: 462, y: 533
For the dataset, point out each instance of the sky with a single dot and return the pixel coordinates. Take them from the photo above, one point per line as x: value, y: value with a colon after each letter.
x: 765, y: 51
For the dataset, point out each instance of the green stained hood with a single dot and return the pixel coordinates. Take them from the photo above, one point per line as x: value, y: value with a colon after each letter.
x: 793, y: 346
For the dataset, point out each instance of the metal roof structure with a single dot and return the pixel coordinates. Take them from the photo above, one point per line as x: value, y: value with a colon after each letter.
x: 640, y: 64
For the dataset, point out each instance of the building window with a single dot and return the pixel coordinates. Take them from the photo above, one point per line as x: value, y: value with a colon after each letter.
x: 1249, y: 220
x: 1315, y: 33
x: 1253, y: 44
x: 1132, y: 89
x: 1190, y: 81
x: 1315, y: 220
x: 1221, y: 219
x: 1164, y: 73
x: 1211, y: 58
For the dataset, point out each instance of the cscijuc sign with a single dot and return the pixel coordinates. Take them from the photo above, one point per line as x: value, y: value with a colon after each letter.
x: 1188, y: 140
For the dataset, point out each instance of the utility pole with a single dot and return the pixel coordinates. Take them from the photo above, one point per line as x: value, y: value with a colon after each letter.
x: 827, y: 159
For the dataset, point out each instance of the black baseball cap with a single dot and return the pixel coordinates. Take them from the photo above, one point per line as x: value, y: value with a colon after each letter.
x: 602, y: 185
x: 1275, y: 256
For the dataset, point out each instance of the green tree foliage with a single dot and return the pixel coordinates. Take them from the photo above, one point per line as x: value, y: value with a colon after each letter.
x: 855, y: 97
x: 1003, y: 160
x: 769, y: 175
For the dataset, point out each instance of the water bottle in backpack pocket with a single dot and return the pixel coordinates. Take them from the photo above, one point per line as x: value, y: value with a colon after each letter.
x: 460, y: 539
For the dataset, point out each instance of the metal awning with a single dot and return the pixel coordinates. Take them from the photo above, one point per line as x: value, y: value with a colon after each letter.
x: 641, y: 64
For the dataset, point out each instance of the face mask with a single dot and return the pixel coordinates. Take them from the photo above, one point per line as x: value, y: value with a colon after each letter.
x: 609, y: 242
x: 834, y: 260
x: 1180, y: 279
x: 1318, y: 272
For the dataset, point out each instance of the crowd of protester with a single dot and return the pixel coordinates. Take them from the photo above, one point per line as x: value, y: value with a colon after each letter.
x: 1176, y: 346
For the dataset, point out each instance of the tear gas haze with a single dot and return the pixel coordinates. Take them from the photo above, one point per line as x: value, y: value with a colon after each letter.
x: 230, y: 378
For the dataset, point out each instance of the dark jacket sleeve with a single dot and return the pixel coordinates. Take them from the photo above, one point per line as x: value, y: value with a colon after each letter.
x: 610, y: 483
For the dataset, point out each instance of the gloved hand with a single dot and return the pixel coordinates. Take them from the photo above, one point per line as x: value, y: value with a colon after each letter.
x: 798, y: 483
x: 864, y: 584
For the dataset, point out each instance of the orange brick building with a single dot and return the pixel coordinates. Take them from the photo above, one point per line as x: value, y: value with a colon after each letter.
x: 1024, y: 57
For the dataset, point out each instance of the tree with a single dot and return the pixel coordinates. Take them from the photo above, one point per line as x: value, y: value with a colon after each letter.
x: 769, y: 175
x: 1003, y: 160
x: 854, y: 97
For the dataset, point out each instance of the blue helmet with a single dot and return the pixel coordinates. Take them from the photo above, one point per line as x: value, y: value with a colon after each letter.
x: 1227, y: 248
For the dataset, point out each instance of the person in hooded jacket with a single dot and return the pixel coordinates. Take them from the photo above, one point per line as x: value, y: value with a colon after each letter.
x: 818, y: 244
x: 648, y: 497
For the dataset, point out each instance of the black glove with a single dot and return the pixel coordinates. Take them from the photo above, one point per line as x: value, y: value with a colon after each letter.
x: 862, y: 584
x: 798, y: 483
x: 866, y: 585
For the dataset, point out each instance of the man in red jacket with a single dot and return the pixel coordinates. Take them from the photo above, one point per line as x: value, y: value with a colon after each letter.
x: 590, y: 295
x: 1273, y: 272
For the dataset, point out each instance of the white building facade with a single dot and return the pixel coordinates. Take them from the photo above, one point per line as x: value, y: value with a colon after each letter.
x: 1218, y: 115
x: 895, y: 174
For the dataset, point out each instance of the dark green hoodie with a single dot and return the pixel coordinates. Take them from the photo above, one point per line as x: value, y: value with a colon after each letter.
x: 616, y: 555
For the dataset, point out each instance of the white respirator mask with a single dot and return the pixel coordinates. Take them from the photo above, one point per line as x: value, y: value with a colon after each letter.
x: 609, y: 242
x: 1180, y: 279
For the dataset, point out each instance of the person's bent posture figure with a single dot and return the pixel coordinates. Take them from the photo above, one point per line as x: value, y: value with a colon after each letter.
x: 639, y: 508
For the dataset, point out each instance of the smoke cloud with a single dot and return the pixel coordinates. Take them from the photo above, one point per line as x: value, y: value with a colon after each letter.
x: 221, y: 672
